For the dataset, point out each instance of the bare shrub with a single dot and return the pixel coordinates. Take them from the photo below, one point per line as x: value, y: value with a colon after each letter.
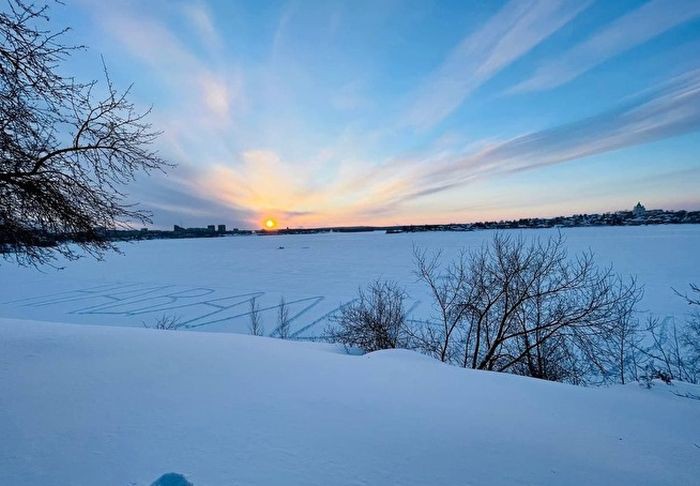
x: 166, y: 322
x: 526, y: 308
x: 531, y: 309
x: 283, y: 322
x: 690, y: 339
x: 255, y: 326
x: 672, y: 352
x: 375, y: 320
x: 447, y: 290
x: 619, y: 347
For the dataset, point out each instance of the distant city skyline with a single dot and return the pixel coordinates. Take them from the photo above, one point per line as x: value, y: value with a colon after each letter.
x: 405, y: 112
x: 636, y: 211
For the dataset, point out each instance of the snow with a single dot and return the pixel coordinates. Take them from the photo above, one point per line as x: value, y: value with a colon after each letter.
x: 91, y: 397
x: 84, y: 404
x: 208, y: 283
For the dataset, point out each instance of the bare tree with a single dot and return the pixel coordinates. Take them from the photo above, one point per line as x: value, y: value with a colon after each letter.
x: 375, y: 320
x: 690, y: 341
x: 283, y: 322
x: 255, y: 326
x: 693, y: 298
x: 673, y: 353
x: 67, y: 149
x: 448, y: 291
x: 166, y: 323
x: 525, y: 308
x: 663, y: 353
x: 621, y: 344
x: 690, y: 338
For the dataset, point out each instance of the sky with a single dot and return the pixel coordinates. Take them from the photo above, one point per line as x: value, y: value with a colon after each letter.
x: 322, y: 113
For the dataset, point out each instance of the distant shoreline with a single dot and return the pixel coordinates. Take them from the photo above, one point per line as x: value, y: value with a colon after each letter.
x: 639, y: 216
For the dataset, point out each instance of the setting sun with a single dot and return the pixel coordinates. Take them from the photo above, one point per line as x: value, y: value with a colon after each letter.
x: 270, y: 223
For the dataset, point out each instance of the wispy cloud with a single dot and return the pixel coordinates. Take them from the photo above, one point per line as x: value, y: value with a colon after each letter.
x: 517, y: 28
x: 319, y: 147
x: 208, y: 93
x: 365, y: 192
x: 199, y: 16
x: 630, y: 30
x: 177, y: 198
x: 672, y: 109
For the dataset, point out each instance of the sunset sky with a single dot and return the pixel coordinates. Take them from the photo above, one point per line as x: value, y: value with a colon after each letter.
x: 319, y: 113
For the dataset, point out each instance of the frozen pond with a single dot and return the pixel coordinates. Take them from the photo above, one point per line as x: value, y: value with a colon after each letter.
x: 208, y: 283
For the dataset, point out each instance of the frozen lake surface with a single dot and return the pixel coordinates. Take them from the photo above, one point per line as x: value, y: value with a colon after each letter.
x: 208, y: 283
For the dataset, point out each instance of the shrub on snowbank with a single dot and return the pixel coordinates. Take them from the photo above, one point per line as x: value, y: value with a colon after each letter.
x: 523, y: 308
x: 375, y: 320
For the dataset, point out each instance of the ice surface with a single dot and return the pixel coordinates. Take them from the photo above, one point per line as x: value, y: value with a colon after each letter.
x: 208, y: 283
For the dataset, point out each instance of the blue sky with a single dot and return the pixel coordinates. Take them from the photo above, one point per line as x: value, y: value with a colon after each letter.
x: 396, y: 112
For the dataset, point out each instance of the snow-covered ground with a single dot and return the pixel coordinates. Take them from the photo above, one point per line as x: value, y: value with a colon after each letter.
x: 208, y: 283
x: 96, y: 405
x: 99, y: 403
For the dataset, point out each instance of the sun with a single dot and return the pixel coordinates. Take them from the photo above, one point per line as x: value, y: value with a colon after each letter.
x: 270, y: 223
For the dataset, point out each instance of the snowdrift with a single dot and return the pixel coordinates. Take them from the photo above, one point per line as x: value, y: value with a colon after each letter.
x: 103, y: 405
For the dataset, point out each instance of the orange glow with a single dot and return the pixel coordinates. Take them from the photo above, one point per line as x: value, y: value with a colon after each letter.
x: 268, y: 188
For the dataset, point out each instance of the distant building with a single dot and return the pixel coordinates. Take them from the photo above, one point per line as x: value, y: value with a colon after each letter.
x: 178, y: 229
x: 639, y: 211
x: 222, y: 228
x: 211, y: 228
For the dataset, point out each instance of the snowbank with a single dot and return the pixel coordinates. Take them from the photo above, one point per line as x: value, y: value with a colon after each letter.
x: 103, y: 405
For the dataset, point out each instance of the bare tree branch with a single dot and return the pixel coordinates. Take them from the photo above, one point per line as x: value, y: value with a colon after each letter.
x: 67, y: 149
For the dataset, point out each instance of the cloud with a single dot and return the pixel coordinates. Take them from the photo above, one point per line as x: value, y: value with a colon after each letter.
x: 201, y: 20
x: 265, y: 185
x: 365, y: 192
x: 672, y: 109
x: 290, y: 160
x: 628, y: 31
x: 202, y: 91
x: 350, y: 96
x: 216, y: 94
x: 278, y: 40
x: 517, y: 28
x: 176, y: 198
